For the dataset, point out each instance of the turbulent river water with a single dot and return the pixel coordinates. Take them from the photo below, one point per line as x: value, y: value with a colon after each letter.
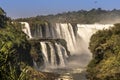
x: 74, y: 70
x: 71, y: 74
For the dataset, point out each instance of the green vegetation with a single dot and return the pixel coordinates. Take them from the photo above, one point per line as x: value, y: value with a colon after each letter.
x: 3, y: 18
x: 15, y: 58
x: 13, y: 46
x: 105, y: 46
x: 35, y: 52
x: 81, y: 16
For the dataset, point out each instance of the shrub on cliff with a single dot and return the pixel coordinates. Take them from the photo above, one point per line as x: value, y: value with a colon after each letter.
x: 105, y: 46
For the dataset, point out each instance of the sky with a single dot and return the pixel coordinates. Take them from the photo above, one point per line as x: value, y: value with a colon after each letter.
x: 30, y: 8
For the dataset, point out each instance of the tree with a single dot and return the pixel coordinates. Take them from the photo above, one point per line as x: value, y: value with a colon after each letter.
x: 3, y: 18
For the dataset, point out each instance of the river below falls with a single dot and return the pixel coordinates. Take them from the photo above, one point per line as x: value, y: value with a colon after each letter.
x: 68, y: 74
x: 74, y: 70
x: 71, y: 74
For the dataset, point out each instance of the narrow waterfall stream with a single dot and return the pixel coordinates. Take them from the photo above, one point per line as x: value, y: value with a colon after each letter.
x: 56, y: 55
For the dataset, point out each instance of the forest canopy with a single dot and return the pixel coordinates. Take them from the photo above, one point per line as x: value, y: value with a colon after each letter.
x: 82, y: 16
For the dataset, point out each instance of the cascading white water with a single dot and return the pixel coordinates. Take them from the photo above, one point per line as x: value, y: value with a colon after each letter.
x: 58, y: 31
x: 61, y: 55
x: 84, y: 33
x: 52, y: 51
x: 55, y: 54
x: 37, y: 31
x: 43, y: 31
x: 44, y: 51
x: 26, y: 28
x: 47, y: 31
x: 65, y: 31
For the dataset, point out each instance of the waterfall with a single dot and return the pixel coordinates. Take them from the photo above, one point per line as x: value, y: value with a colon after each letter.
x: 61, y: 54
x: 85, y: 31
x: 37, y: 31
x: 42, y: 31
x: 54, y: 54
x: 26, y: 29
x: 58, y: 31
x: 65, y: 31
x: 44, y: 51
